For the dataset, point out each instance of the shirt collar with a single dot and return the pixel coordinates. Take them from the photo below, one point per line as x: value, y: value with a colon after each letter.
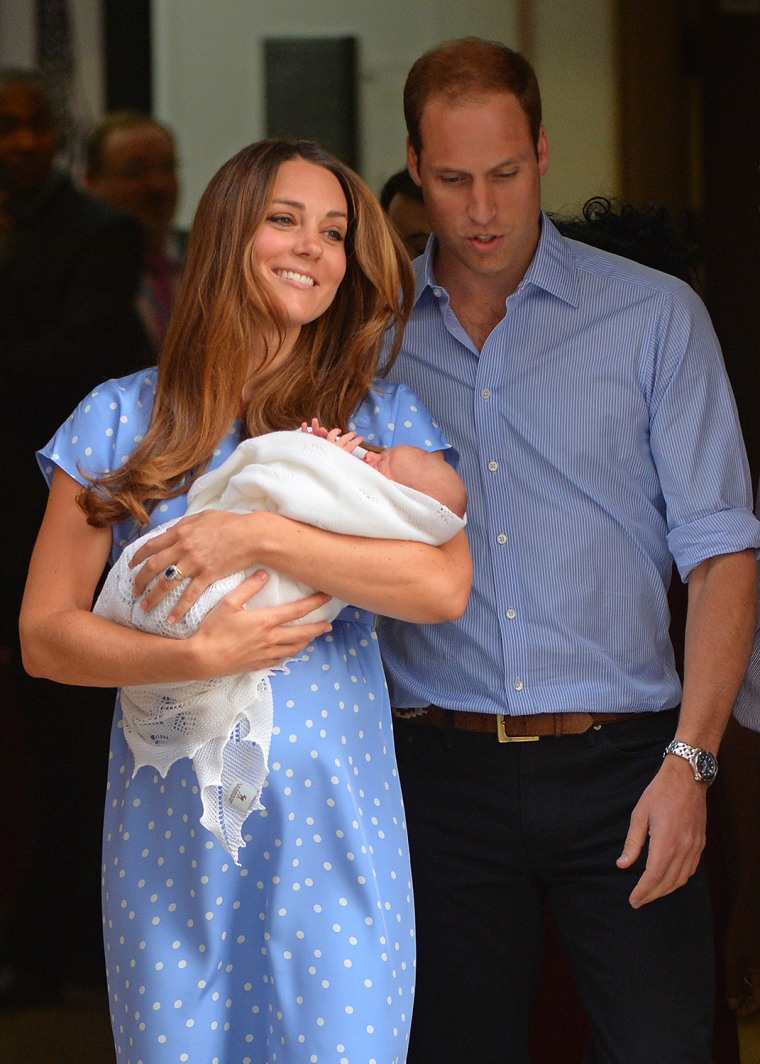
x: 552, y: 267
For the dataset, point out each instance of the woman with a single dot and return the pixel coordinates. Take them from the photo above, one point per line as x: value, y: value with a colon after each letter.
x: 305, y: 953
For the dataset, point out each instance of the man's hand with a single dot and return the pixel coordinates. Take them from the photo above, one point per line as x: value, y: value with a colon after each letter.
x: 672, y: 811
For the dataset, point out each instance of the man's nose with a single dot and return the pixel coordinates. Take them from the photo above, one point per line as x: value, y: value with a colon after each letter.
x: 481, y: 207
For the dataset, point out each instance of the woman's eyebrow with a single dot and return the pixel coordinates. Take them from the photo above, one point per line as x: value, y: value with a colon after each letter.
x: 302, y: 207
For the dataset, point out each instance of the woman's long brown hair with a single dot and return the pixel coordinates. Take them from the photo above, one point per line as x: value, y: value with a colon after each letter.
x: 224, y: 312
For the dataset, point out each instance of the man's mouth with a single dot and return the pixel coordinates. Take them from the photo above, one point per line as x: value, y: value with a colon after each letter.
x: 291, y: 275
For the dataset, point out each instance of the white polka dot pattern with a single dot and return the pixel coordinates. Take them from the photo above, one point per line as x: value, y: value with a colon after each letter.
x: 306, y: 952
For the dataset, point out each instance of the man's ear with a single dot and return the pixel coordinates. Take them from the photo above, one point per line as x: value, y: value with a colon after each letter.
x: 412, y: 162
x: 542, y: 151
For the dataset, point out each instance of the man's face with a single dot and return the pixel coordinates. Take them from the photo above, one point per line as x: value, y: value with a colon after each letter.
x: 139, y: 175
x: 28, y: 140
x: 480, y: 173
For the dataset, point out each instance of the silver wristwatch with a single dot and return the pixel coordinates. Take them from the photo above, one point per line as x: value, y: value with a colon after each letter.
x: 704, y: 764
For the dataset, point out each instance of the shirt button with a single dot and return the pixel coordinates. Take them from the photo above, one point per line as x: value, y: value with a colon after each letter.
x: 511, y: 613
x: 485, y: 393
x: 518, y: 684
x: 437, y: 293
x: 501, y: 538
x: 493, y: 466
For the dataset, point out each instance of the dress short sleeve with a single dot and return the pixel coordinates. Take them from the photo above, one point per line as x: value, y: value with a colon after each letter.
x: 103, y: 429
x: 100, y: 434
x: 392, y: 413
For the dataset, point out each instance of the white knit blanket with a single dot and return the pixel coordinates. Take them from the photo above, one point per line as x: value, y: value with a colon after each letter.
x: 225, y: 723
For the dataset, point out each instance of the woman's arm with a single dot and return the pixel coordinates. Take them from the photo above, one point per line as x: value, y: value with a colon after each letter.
x: 62, y: 640
x: 396, y: 578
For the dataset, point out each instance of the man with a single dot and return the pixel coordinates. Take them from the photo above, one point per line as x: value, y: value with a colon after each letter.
x: 69, y: 268
x: 402, y: 201
x: 131, y: 162
x: 599, y: 440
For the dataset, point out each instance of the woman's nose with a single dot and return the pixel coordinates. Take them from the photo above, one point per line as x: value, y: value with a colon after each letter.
x: 308, y: 243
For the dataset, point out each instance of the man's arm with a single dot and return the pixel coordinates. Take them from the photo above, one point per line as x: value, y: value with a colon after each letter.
x: 720, y: 625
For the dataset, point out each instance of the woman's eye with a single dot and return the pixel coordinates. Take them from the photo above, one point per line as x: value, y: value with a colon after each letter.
x: 335, y: 234
x: 280, y: 219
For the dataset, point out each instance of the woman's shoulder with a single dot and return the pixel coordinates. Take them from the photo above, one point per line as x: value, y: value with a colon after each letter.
x: 136, y: 391
x: 392, y: 413
x: 105, y: 426
x: 119, y: 399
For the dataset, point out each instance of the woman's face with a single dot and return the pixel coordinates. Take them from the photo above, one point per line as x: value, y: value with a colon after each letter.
x: 299, y: 250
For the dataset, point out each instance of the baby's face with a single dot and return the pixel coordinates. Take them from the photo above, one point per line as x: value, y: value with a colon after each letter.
x: 382, y: 462
x: 404, y: 464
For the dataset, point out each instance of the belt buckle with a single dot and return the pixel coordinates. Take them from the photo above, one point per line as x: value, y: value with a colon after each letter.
x: 501, y: 733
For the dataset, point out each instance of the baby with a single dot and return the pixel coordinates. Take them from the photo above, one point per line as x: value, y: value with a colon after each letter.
x: 317, y: 476
x: 425, y: 471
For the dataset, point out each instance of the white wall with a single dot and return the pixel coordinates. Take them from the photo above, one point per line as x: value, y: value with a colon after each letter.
x: 17, y: 48
x: 208, y: 66
x: 17, y: 33
x: 208, y: 73
x: 209, y: 76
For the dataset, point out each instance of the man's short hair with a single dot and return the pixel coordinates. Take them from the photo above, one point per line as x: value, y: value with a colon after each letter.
x: 33, y: 80
x: 399, y: 184
x: 467, y: 69
x: 125, y: 119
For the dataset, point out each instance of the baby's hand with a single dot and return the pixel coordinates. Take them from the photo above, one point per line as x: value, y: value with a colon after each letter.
x: 349, y: 441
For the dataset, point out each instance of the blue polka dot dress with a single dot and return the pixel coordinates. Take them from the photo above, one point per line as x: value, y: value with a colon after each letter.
x: 305, y: 953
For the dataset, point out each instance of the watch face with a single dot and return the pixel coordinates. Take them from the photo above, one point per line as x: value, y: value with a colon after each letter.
x: 707, y: 766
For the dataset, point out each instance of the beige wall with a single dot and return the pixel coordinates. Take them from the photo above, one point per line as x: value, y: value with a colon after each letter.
x: 573, y: 53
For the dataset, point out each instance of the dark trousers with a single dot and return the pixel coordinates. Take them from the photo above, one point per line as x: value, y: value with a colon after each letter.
x: 496, y: 830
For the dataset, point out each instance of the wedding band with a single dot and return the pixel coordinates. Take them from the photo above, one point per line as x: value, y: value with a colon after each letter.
x: 173, y: 572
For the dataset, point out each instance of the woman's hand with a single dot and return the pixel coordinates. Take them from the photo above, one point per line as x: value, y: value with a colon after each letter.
x: 201, y: 548
x: 234, y: 639
x: 63, y: 640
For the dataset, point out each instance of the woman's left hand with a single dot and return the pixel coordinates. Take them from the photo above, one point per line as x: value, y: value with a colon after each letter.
x: 200, y: 548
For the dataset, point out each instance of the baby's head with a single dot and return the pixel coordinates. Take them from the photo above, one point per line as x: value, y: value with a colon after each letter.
x: 425, y: 471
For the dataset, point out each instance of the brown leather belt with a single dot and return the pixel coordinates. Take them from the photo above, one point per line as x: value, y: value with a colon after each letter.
x: 510, y: 729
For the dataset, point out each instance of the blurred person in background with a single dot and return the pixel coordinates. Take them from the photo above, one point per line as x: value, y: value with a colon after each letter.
x: 402, y: 201
x: 131, y: 162
x: 69, y: 269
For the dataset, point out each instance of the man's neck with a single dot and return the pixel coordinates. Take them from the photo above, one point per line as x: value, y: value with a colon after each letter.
x: 478, y: 300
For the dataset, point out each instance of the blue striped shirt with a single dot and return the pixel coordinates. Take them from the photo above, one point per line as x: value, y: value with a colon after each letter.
x: 747, y: 706
x: 599, y: 440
